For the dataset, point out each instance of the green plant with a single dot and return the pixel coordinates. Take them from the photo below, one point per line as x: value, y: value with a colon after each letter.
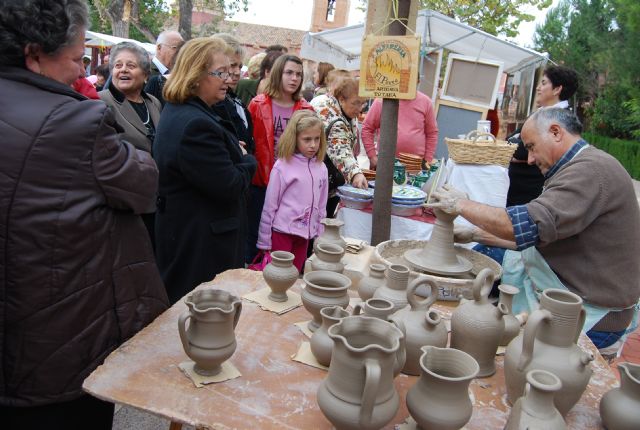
x: 627, y: 152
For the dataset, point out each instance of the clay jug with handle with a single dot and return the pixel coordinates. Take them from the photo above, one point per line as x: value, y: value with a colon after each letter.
x: 358, y: 392
x: 331, y: 233
x: 420, y: 325
x: 548, y: 342
x: 210, y: 339
x: 321, y: 344
x: 477, y: 326
x: 620, y: 407
x: 369, y: 284
x: 395, y: 287
x: 376, y: 308
x: 511, y: 323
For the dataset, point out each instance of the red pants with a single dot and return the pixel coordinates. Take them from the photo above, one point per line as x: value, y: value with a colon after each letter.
x: 294, y: 244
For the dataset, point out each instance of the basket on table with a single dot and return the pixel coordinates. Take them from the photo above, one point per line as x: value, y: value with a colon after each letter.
x: 474, y: 150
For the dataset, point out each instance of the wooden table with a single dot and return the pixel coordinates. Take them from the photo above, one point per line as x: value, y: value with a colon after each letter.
x: 274, y: 391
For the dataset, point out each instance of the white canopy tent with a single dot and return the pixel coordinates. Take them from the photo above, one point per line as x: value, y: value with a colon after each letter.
x: 98, y: 40
x: 341, y: 46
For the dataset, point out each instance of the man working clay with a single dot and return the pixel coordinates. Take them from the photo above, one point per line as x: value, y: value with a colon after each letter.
x: 582, y: 233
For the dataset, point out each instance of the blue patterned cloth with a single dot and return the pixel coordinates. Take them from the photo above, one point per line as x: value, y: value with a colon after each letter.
x: 568, y: 156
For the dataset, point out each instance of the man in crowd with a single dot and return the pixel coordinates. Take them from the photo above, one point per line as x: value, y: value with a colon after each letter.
x: 582, y: 233
x: 168, y: 43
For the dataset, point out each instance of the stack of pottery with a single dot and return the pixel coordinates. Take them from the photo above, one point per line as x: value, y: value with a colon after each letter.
x: 369, y: 284
x: 331, y: 233
x: 209, y: 340
x: 511, y: 323
x: 477, y: 326
x: 395, y: 287
x: 280, y: 274
x: 321, y: 344
x: 421, y: 326
x: 375, y: 308
x: 328, y: 256
x: 358, y: 392
x: 439, y: 400
x: 620, y: 407
x: 322, y: 289
x: 548, y: 342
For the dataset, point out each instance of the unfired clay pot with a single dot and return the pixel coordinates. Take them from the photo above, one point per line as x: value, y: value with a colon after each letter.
x: 620, y: 407
x: 477, y: 325
x: 511, y: 323
x: 321, y: 344
x: 209, y: 340
x: 376, y: 308
x: 395, y: 287
x: 328, y: 256
x: 536, y: 409
x: 369, y: 284
x: 421, y: 326
x: 280, y: 275
x: 358, y: 392
x: 548, y: 342
x: 323, y: 289
x: 439, y: 400
x: 331, y: 233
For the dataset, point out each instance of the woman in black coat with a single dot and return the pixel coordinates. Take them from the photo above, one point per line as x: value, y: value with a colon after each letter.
x: 204, y: 173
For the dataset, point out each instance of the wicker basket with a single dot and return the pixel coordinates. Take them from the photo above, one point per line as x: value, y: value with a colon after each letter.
x: 471, y: 150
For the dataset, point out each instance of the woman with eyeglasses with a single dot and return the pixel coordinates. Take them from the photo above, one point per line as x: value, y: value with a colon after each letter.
x: 270, y: 113
x: 204, y: 173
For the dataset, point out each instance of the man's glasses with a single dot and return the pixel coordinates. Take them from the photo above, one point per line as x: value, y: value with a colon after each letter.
x: 222, y: 75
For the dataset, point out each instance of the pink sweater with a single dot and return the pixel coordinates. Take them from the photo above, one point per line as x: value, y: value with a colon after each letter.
x: 417, y: 128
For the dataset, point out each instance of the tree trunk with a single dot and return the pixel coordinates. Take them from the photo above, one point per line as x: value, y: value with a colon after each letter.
x: 135, y: 20
x: 184, y: 20
x: 118, y: 12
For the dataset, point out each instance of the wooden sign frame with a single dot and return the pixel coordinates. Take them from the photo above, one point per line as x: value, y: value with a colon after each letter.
x: 472, y: 81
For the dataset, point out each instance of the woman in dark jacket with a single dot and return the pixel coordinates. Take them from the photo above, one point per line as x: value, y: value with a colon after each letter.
x: 77, y: 276
x: 204, y: 173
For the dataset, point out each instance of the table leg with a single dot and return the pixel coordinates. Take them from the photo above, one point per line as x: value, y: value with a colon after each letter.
x: 175, y: 426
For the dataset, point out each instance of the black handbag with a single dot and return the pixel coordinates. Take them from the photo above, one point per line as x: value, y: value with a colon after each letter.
x: 336, y: 178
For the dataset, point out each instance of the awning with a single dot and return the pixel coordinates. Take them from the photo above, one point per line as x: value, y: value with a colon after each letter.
x: 99, y: 40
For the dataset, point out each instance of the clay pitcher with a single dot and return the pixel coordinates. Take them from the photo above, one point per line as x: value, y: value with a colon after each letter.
x: 369, y: 284
x: 511, y: 323
x: 358, y: 392
x: 620, y: 407
x: 548, y: 342
x: 395, y: 288
x: 477, y: 326
x: 321, y: 344
x: 535, y: 410
x: 331, y: 233
x: 323, y: 289
x: 280, y: 274
x: 209, y: 340
x: 376, y: 308
x: 421, y: 326
x: 439, y: 400
x: 328, y: 256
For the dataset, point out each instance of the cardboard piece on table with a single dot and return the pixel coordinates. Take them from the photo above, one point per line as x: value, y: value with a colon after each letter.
x: 305, y: 356
x: 410, y: 424
x: 304, y: 328
x: 228, y: 372
x: 354, y: 245
x: 261, y: 297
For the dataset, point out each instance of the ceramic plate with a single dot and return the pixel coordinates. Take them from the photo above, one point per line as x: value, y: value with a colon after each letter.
x: 406, y: 192
x: 372, y: 184
x: 358, y: 193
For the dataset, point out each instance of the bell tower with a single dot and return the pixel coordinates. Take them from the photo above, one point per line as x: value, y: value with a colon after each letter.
x: 328, y: 14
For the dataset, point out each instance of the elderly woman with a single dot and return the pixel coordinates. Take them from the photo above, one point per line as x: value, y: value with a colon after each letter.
x: 204, y: 173
x: 78, y: 274
x: 339, y: 111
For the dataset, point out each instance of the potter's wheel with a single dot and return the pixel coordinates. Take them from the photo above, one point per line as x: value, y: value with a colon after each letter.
x: 458, y: 267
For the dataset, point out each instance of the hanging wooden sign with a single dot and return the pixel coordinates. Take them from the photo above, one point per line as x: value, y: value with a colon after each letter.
x: 389, y: 67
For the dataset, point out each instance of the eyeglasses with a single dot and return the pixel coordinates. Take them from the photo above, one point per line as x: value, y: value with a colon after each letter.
x: 171, y: 46
x: 293, y: 73
x: 222, y: 75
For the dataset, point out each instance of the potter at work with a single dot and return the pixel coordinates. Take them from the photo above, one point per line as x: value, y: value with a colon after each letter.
x: 582, y: 234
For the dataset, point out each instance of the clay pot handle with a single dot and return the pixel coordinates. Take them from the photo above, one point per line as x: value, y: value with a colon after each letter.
x: 182, y: 329
x: 529, y: 336
x: 482, y: 284
x: 426, y: 303
x: 581, y: 318
x: 358, y: 308
x: 371, y: 384
x: 236, y: 317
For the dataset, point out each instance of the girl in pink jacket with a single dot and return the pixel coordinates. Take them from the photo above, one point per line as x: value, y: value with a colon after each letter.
x: 297, y: 192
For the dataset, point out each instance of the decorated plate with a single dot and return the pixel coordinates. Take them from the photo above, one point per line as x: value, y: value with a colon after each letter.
x: 407, y: 192
x: 358, y: 193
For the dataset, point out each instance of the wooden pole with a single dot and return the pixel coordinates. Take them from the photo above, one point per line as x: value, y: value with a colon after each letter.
x: 381, y: 217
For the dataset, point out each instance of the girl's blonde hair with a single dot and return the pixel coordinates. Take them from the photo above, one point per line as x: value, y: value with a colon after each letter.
x: 193, y: 61
x: 300, y: 121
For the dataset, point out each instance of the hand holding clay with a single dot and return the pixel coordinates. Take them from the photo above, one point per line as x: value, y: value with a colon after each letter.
x: 447, y: 199
x: 463, y: 234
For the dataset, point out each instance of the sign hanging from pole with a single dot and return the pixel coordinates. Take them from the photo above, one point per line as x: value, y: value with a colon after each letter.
x: 389, y: 67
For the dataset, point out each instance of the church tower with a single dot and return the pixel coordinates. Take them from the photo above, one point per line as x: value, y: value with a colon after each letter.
x: 328, y: 14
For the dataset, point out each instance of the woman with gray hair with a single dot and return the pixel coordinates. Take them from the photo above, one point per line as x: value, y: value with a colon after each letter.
x: 77, y: 274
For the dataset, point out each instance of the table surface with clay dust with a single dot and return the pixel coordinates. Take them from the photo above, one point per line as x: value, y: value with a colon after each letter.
x: 275, y: 391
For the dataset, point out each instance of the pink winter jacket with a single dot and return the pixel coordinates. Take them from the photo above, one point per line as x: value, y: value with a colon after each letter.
x: 296, y: 199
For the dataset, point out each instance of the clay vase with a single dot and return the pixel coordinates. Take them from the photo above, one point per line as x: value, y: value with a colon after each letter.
x: 620, y: 407
x: 511, y: 323
x: 421, y: 326
x: 369, y: 284
x: 477, y: 326
x: 548, y: 342
x: 328, y: 257
x: 209, y: 340
x: 439, y: 255
x: 358, y: 392
x: 375, y: 308
x: 280, y: 275
x: 535, y: 410
x: 324, y: 289
x: 395, y: 287
x: 331, y: 233
x: 439, y: 400
x: 321, y: 344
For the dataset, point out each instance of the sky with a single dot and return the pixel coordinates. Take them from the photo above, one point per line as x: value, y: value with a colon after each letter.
x: 297, y: 14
